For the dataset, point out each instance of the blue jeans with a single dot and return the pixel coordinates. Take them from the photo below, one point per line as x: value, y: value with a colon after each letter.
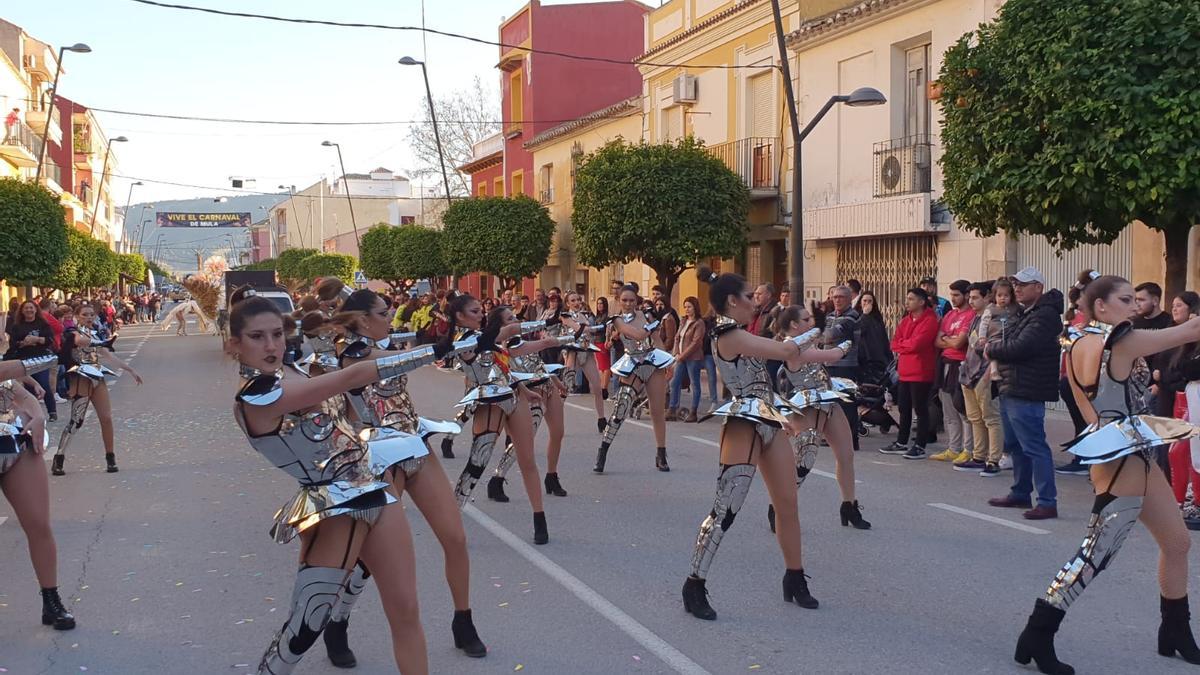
x: 1024, y: 425
x: 692, y: 368
x: 710, y: 367
x: 43, y: 379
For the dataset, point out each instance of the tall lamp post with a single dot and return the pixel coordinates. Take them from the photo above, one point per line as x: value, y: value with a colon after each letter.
x: 100, y: 185
x: 142, y: 233
x: 346, y: 185
x: 291, y: 204
x: 410, y: 61
x: 78, y: 48
x: 128, y: 202
x: 863, y: 96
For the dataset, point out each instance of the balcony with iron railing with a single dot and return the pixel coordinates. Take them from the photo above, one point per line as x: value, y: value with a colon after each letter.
x: 903, y: 166
x: 546, y: 195
x: 755, y: 160
x: 21, y: 146
x: 52, y: 176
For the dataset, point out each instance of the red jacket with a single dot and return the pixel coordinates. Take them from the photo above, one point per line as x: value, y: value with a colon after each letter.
x: 913, y: 345
x: 56, y: 327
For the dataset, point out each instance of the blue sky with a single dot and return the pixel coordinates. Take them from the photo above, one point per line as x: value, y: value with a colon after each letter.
x: 169, y: 61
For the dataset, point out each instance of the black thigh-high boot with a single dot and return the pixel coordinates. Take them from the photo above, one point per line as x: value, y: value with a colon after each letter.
x: 732, y: 487
x: 621, y: 409
x: 337, y: 640
x: 481, y: 453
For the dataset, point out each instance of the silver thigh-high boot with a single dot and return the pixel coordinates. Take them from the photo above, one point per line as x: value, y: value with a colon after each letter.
x: 481, y: 453
x: 313, y: 599
x: 337, y: 643
x: 79, y: 407
x: 622, y: 407
x: 495, y: 487
x: 448, y: 440
x: 732, y: 487
x: 804, y: 446
x: 1112, y: 519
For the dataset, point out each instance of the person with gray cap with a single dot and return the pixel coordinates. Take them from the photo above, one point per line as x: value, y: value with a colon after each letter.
x: 1026, y: 354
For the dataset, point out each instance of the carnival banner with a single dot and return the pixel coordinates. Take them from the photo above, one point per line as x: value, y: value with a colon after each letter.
x: 178, y: 219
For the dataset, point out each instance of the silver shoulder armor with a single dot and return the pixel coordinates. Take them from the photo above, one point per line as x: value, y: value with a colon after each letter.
x: 261, y: 389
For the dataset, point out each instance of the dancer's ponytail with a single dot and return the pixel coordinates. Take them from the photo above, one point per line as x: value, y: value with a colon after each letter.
x: 720, y: 286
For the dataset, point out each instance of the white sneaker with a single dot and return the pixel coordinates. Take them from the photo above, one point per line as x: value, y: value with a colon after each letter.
x: 1006, y: 462
x: 60, y: 399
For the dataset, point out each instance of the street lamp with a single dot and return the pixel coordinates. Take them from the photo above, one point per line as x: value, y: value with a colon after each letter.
x: 410, y: 61
x: 863, y: 96
x: 129, y: 199
x: 100, y: 186
x: 291, y: 190
x: 346, y: 185
x: 78, y: 48
x: 142, y: 233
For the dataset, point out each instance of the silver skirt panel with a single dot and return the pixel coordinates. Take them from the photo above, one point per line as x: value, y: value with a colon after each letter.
x: 629, y: 363
x: 91, y: 371
x: 1126, y: 435
x: 315, y: 503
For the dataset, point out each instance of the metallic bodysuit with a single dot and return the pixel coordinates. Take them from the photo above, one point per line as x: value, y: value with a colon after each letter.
x: 535, y: 374
x: 810, y: 387
x: 489, y: 384
x: 635, y: 368
x: 87, y: 366
x: 13, y: 437
x: 584, y: 346
x: 1121, y: 429
x: 755, y: 402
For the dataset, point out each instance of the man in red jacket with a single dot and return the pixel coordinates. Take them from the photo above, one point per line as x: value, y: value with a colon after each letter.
x: 916, y: 364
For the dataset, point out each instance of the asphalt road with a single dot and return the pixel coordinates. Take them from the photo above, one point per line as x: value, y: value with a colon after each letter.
x: 168, y: 567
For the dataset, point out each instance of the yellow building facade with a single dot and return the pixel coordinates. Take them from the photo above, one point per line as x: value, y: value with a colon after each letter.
x: 557, y: 152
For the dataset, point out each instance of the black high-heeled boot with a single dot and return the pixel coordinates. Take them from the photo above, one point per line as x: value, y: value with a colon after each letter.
x: 448, y: 447
x: 660, y: 460
x: 795, y: 589
x: 1175, y: 631
x: 553, y: 487
x: 1037, y: 640
x: 601, y: 425
x: 540, y: 534
x: 695, y: 600
x: 111, y: 460
x: 852, y: 515
x: 771, y: 516
x: 53, y: 611
x: 601, y: 458
x: 465, y: 636
x: 496, y: 489
x: 337, y: 644
x: 56, y: 468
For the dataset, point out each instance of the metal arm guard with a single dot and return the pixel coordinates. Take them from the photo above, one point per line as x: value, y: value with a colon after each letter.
x: 402, y: 364
x: 39, y: 363
x: 400, y: 338
x: 528, y: 327
x: 806, y: 339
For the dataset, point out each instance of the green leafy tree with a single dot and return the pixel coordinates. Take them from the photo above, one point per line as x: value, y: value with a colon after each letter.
x: 34, y: 231
x: 71, y: 275
x: 401, y: 255
x: 103, y: 267
x: 158, y: 269
x: 323, y: 265
x: 668, y: 205
x: 1070, y: 119
x: 506, y: 237
x: 287, y: 265
x: 132, y: 265
x: 260, y: 266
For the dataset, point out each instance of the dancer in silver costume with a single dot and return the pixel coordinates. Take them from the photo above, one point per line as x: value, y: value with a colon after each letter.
x: 749, y: 438
x: 809, y: 388
x: 581, y: 355
x: 87, y: 360
x: 23, y: 477
x: 544, y: 379
x: 1110, y: 381
x: 343, y: 511
x: 386, y: 404
x: 496, y: 399
x: 643, y: 373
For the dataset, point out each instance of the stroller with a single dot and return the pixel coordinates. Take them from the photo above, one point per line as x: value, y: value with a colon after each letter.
x: 873, y: 391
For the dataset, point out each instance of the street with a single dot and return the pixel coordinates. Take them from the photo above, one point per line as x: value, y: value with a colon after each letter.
x: 168, y: 567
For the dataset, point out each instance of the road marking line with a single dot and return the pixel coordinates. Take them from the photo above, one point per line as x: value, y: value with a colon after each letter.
x: 674, y: 658
x: 823, y: 474
x: 592, y: 410
x: 991, y: 519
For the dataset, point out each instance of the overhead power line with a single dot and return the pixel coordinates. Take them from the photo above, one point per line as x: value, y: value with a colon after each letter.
x: 434, y: 31
x: 230, y: 120
x: 249, y: 193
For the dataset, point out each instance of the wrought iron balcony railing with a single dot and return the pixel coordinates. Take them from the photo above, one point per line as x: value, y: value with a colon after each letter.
x: 755, y: 159
x: 903, y: 166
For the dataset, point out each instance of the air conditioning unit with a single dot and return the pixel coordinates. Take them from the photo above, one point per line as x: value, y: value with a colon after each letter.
x: 902, y: 168
x: 891, y: 173
x: 685, y: 89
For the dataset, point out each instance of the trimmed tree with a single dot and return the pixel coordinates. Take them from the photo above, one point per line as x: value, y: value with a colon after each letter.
x: 287, y: 265
x: 34, y: 231
x: 401, y: 255
x: 132, y: 265
x: 1072, y: 119
x: 505, y: 237
x: 323, y: 265
x: 668, y: 205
